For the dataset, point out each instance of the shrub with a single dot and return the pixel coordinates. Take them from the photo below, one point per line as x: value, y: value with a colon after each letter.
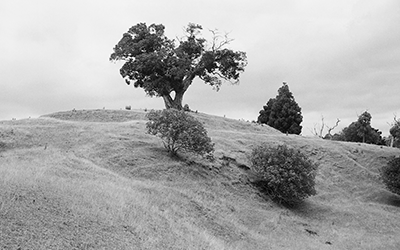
x: 390, y: 174
x: 284, y: 173
x: 179, y: 131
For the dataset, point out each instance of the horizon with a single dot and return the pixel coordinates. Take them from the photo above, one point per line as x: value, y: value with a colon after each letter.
x: 339, y: 58
x: 133, y: 109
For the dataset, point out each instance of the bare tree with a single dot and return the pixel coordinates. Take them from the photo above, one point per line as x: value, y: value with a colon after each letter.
x: 320, y: 131
x: 332, y: 128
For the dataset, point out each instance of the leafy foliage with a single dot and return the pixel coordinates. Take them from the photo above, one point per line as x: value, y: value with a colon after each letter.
x: 391, y: 175
x: 395, y: 132
x: 179, y: 131
x: 360, y: 131
x: 160, y: 66
x: 282, y: 112
x: 285, y: 173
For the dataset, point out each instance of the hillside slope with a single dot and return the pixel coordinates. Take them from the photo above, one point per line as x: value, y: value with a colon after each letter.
x: 95, y: 180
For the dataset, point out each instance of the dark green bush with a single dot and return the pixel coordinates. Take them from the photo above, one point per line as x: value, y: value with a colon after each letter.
x: 179, y: 131
x: 286, y: 174
x: 390, y: 174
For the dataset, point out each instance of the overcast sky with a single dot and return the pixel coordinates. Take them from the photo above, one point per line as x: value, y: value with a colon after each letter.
x: 339, y: 58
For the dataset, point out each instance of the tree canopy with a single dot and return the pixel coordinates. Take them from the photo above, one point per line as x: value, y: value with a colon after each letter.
x: 162, y: 66
x: 360, y: 131
x: 395, y: 132
x: 282, y: 112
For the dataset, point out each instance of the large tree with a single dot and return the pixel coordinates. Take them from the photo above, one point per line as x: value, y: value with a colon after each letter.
x: 162, y: 66
x: 282, y: 112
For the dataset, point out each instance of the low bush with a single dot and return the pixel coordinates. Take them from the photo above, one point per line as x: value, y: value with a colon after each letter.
x: 390, y: 174
x: 286, y: 174
x: 179, y: 131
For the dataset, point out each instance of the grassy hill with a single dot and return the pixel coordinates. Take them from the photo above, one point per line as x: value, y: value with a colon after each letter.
x: 95, y: 180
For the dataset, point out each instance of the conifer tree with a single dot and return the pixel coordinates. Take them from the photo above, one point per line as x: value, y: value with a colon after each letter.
x: 282, y: 112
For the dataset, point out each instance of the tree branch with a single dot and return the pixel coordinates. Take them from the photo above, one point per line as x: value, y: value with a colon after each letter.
x: 216, y: 43
x: 323, y: 125
x: 321, y: 130
x: 332, y: 128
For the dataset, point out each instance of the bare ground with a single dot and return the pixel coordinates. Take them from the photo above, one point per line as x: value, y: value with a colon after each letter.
x: 95, y: 180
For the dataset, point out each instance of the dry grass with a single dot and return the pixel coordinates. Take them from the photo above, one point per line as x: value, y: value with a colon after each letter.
x: 95, y: 180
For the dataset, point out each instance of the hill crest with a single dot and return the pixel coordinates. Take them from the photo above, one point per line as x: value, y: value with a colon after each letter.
x: 95, y: 179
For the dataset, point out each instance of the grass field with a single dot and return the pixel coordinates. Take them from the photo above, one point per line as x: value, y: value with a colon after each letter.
x: 95, y: 180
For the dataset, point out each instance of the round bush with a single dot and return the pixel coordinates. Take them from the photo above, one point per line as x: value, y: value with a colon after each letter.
x: 390, y: 174
x: 285, y: 173
x: 179, y: 131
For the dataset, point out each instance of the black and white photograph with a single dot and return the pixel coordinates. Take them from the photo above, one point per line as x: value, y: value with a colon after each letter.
x: 194, y: 124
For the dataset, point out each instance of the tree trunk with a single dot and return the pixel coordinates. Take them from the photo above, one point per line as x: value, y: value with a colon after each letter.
x: 178, y: 100
x: 175, y: 103
x: 168, y: 102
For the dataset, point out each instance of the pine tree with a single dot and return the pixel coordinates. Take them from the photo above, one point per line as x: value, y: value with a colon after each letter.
x: 282, y: 112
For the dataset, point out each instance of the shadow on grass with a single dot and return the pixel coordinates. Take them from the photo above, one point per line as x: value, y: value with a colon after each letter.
x: 269, y: 196
x: 393, y: 200
x: 304, y: 208
x: 390, y: 199
x: 309, y: 209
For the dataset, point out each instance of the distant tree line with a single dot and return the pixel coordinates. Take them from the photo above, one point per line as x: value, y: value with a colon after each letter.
x: 360, y: 131
x: 284, y: 114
